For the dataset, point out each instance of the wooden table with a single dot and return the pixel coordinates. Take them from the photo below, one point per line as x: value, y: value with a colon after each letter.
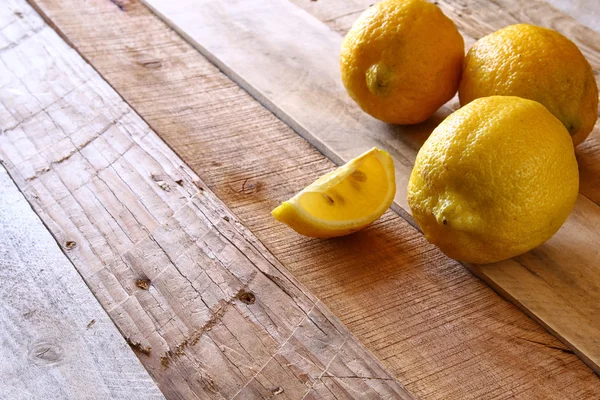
x: 136, y: 185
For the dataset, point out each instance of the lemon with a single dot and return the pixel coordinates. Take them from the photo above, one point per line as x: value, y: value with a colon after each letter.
x: 495, y: 179
x: 538, y: 64
x: 344, y: 200
x: 402, y: 60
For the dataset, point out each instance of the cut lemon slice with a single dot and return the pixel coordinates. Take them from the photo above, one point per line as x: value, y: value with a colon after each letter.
x: 344, y: 200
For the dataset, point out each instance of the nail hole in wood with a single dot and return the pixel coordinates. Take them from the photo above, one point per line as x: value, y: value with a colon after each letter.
x: 246, y: 297
x: 278, y: 390
x: 70, y: 244
x: 164, y: 361
x: 137, y: 346
x: 143, y: 284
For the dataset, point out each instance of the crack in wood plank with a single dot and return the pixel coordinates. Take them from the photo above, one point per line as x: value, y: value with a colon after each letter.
x: 275, y: 354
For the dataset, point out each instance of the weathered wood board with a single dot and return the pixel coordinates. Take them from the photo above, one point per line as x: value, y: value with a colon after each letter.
x: 209, y: 311
x: 298, y: 80
x: 586, y: 12
x: 56, y: 340
x: 442, y: 331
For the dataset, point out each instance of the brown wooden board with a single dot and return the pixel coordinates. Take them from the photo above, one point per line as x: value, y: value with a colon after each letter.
x: 442, y: 332
x: 298, y: 80
x: 209, y: 311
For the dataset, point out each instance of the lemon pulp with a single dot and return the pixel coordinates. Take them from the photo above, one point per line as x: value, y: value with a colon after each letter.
x: 344, y: 200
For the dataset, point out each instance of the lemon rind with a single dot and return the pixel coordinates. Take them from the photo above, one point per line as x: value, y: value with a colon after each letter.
x: 298, y: 218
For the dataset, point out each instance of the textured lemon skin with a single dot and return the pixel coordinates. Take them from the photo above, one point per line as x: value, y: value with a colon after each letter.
x: 402, y: 60
x: 495, y: 179
x: 348, y: 190
x: 290, y: 215
x: 538, y: 64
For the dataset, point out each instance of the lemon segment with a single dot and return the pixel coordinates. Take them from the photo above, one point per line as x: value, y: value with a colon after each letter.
x: 344, y: 200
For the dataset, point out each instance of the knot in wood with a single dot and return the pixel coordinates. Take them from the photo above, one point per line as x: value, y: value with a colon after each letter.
x: 246, y: 297
x: 46, y: 353
x: 143, y: 284
x: 249, y: 186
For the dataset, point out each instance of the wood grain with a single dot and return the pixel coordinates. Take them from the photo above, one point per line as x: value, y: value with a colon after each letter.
x: 299, y: 81
x: 209, y: 311
x: 57, y: 342
x: 443, y: 333
x: 586, y: 12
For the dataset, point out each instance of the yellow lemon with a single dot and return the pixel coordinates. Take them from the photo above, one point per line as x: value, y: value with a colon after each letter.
x: 495, y: 179
x: 344, y: 200
x: 538, y: 64
x: 402, y: 60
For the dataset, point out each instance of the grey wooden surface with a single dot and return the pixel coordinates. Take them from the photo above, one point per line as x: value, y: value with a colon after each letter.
x: 586, y: 12
x: 56, y: 341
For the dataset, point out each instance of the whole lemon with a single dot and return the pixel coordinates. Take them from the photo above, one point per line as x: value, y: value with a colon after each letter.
x: 538, y: 64
x: 495, y: 179
x: 402, y: 60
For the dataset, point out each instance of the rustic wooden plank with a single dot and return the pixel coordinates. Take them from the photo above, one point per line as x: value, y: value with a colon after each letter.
x: 299, y: 81
x: 339, y: 15
x: 57, y: 341
x: 586, y: 12
x: 209, y: 311
x: 440, y: 330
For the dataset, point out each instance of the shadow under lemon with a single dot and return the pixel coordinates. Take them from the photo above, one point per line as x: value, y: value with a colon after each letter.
x: 588, y: 159
x: 414, y: 136
x: 372, y: 260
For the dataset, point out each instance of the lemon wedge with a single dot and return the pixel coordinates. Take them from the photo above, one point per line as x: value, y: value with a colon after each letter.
x: 344, y: 200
